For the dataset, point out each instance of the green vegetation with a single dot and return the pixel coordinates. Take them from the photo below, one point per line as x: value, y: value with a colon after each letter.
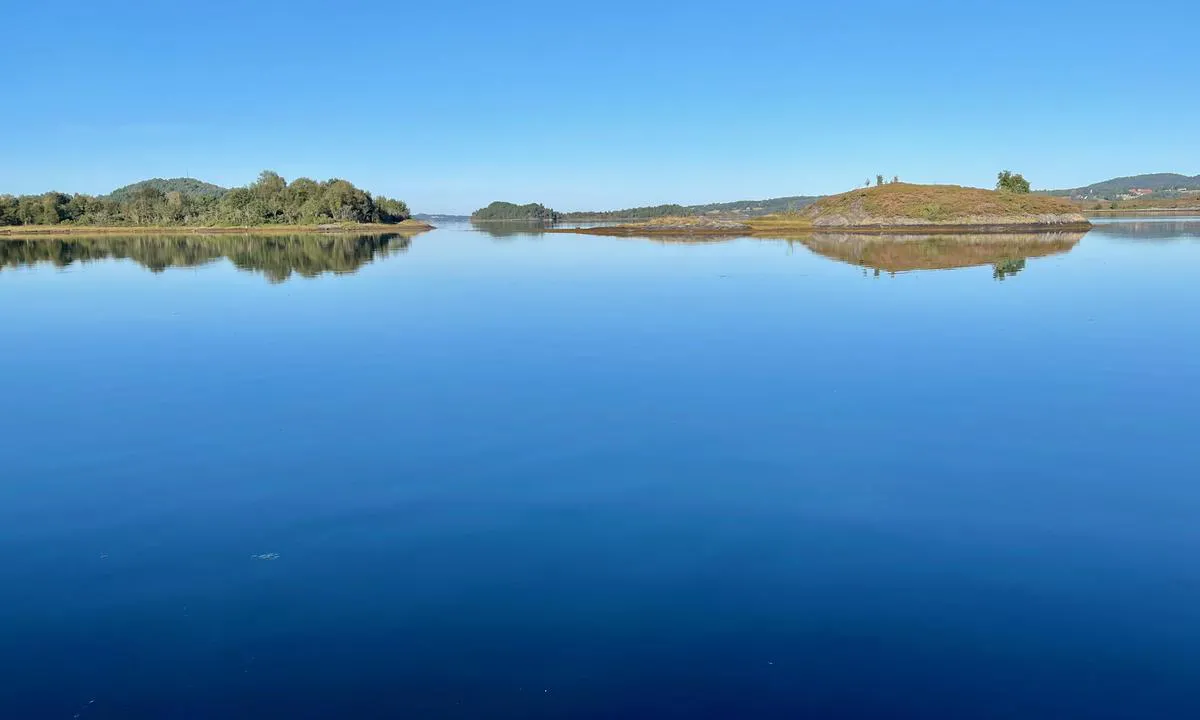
x: 270, y: 200
x: 1152, y: 186
x: 277, y: 257
x: 509, y: 211
x: 1009, y: 181
x: 188, y: 187
x: 746, y: 208
x: 1189, y: 202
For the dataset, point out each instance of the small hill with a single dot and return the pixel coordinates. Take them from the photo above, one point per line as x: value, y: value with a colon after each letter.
x: 510, y: 211
x: 1153, y: 185
x: 188, y: 187
x: 896, y: 205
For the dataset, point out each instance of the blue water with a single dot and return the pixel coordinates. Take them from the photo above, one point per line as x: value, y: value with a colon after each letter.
x: 551, y: 476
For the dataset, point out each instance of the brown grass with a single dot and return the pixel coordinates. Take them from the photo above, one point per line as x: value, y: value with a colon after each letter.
x: 908, y: 204
x: 689, y: 226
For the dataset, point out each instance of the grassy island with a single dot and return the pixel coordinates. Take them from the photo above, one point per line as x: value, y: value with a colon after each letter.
x: 942, y: 207
x: 889, y: 207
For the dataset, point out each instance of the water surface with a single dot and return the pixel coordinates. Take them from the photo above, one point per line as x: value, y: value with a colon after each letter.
x: 574, y: 476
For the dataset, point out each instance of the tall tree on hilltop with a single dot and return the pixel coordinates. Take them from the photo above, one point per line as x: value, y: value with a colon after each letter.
x: 1009, y: 181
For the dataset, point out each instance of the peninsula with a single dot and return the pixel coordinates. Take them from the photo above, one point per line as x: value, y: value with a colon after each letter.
x: 270, y: 204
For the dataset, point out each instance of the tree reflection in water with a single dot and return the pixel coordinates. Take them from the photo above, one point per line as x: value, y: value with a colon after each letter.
x: 277, y: 257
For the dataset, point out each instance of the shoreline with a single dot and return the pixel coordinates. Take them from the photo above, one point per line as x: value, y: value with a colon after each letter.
x: 405, y: 227
x: 784, y: 229
x: 1135, y: 211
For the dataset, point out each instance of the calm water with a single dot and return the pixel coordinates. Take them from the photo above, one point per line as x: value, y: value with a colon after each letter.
x: 565, y: 476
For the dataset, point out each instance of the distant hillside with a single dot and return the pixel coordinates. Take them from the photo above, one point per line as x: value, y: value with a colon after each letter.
x: 187, y: 187
x: 747, y: 208
x: 1154, y: 185
x: 510, y: 211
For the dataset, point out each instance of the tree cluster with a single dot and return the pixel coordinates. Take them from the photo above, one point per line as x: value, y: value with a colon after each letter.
x: 511, y: 211
x: 879, y: 181
x: 1009, y: 181
x: 268, y: 201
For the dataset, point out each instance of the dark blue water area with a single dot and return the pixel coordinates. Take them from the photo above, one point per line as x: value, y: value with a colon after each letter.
x: 552, y: 476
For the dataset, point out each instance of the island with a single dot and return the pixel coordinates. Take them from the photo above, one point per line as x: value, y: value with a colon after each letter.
x: 509, y: 212
x: 887, y: 207
x: 270, y: 204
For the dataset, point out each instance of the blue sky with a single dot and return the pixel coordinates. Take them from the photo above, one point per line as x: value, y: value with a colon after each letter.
x: 450, y: 105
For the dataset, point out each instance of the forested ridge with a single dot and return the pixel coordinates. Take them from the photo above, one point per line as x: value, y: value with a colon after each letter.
x: 187, y: 186
x: 270, y: 200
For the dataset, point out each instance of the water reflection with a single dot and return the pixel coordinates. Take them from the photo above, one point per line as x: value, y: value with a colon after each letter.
x: 509, y: 228
x: 1005, y: 252
x: 277, y: 257
x: 1150, y: 228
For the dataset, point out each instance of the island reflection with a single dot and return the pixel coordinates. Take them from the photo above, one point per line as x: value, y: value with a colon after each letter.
x: 510, y: 228
x: 1167, y: 229
x: 277, y: 257
x: 1005, y: 252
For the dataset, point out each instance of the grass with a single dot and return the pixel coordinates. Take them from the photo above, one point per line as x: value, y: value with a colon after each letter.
x: 693, y: 226
x: 906, y: 203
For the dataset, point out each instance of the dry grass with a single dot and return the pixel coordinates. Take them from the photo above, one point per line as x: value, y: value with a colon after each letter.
x: 691, y: 227
x: 906, y: 204
x: 665, y: 226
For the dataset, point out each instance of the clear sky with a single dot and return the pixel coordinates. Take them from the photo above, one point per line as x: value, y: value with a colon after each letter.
x: 449, y: 105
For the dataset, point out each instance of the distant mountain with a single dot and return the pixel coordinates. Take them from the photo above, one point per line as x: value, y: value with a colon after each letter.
x: 748, y: 208
x: 188, y: 187
x: 1154, y: 185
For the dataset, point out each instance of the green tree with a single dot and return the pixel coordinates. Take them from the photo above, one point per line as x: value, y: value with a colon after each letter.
x: 1009, y: 181
x: 268, y: 200
x: 879, y: 180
